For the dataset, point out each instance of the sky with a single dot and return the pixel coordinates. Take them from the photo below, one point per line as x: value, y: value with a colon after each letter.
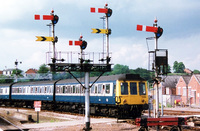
x: 179, y: 20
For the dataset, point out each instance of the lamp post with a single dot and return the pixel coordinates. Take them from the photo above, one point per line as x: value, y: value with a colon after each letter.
x: 16, y: 65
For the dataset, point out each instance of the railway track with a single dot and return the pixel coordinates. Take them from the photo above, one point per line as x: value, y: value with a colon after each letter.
x: 178, y: 112
x: 8, y: 123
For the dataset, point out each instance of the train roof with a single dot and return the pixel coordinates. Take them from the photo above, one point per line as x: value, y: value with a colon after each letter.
x: 92, y: 79
x: 106, y: 78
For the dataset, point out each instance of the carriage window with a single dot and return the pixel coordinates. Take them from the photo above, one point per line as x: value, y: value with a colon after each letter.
x: 1, y: 90
x: 66, y: 89
x: 107, y: 88
x: 96, y: 89
x: 57, y: 89
x: 93, y: 89
x: 35, y: 89
x: 74, y: 89
x: 50, y: 89
x: 31, y: 89
x: 45, y: 89
x: 99, y: 88
x: 40, y: 89
x: 114, y: 88
x: 63, y: 89
x: 82, y: 89
x: 124, y: 88
x: 142, y: 89
x: 133, y: 88
x: 77, y: 89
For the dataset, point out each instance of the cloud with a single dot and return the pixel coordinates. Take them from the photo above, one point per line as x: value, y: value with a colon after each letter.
x: 13, y: 10
x: 179, y: 19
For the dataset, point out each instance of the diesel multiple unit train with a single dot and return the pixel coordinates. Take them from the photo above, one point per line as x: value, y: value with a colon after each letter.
x: 121, y: 96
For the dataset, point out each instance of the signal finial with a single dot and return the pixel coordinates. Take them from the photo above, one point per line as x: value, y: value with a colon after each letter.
x: 52, y: 11
x: 81, y: 36
x: 155, y: 20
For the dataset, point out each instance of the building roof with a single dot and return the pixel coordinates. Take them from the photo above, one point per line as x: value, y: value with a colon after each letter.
x: 171, y: 81
x: 8, y: 69
x: 197, y: 77
x: 186, y: 79
x: 31, y: 71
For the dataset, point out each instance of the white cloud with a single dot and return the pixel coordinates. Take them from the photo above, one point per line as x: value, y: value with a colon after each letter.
x: 12, y: 10
x: 178, y: 19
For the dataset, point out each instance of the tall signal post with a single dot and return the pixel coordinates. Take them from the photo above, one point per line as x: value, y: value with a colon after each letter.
x: 157, y: 113
x: 160, y: 60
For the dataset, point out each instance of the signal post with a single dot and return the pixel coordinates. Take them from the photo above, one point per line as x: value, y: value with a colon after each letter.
x: 160, y: 61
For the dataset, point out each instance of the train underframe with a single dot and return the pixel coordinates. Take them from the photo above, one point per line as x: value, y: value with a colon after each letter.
x: 117, y: 111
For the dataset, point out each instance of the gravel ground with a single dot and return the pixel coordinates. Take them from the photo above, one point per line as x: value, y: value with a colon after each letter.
x: 95, y: 127
x: 51, y: 121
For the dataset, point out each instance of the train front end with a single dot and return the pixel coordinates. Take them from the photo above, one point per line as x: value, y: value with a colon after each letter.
x: 131, y: 96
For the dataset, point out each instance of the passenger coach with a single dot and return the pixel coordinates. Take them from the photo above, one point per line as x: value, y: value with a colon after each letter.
x: 121, y: 96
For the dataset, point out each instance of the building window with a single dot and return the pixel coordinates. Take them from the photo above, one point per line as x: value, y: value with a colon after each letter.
x: 184, y: 91
x: 179, y: 90
x: 167, y: 91
x: 189, y: 92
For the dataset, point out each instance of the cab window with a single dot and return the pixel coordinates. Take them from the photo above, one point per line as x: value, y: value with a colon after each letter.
x: 142, y: 89
x: 124, y: 88
x: 133, y: 88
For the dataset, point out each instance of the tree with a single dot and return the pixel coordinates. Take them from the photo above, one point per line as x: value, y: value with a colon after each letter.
x: 120, y: 69
x: 169, y: 69
x: 6, y: 79
x: 178, y: 67
x: 144, y: 73
x: 17, y: 72
x: 196, y: 71
x: 43, y: 69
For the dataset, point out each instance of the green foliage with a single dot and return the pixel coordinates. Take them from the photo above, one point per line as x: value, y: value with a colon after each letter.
x: 178, y: 67
x: 196, y: 71
x: 169, y: 69
x: 17, y: 72
x: 43, y: 69
x: 144, y: 73
x: 119, y: 69
x: 5, y: 79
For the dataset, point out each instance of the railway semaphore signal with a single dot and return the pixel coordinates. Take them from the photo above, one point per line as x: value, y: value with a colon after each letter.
x: 44, y: 38
x: 81, y: 43
x: 54, y: 20
x: 107, y: 31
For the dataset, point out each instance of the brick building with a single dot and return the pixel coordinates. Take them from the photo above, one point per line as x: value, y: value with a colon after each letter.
x: 182, y: 88
x: 194, y: 90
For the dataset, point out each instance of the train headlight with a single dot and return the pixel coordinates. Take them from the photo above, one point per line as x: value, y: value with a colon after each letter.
x: 143, y: 101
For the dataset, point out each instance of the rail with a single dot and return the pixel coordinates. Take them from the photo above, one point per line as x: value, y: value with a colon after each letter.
x: 11, y: 123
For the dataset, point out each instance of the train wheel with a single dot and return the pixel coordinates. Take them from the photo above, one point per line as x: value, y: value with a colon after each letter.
x: 143, y: 128
x: 175, y: 128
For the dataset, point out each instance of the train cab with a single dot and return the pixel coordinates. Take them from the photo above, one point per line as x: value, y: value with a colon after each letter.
x: 131, y: 93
